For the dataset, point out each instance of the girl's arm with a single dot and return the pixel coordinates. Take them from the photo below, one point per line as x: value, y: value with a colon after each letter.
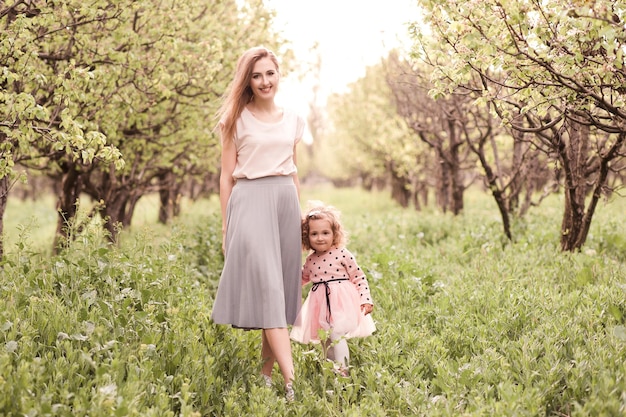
x: 358, y: 278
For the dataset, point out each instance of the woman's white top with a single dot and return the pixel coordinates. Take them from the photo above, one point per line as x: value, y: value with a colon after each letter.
x: 266, y: 149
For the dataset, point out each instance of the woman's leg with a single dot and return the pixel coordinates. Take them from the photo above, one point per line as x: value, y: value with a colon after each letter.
x: 277, y: 347
x: 267, y: 356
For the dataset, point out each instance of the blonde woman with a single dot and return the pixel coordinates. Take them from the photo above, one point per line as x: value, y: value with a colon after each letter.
x: 259, y: 193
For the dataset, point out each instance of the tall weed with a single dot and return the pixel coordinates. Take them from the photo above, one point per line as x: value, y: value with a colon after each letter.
x: 468, y: 323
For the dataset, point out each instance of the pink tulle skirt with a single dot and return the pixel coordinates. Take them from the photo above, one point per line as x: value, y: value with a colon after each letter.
x: 344, y: 318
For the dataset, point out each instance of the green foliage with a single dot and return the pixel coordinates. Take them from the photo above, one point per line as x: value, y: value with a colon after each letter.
x: 34, y: 128
x: 553, y: 53
x: 467, y: 325
x: 368, y: 135
x: 116, y: 99
x: 138, y: 77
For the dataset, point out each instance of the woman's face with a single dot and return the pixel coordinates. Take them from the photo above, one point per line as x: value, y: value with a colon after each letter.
x: 264, y: 81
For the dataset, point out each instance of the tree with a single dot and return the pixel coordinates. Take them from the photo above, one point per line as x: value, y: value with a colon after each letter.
x: 370, y: 140
x: 560, y: 77
x: 505, y: 156
x: 436, y: 123
x: 151, y: 78
x: 37, y: 124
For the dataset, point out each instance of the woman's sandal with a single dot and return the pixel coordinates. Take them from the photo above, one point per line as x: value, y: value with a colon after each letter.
x: 342, y: 371
x: 290, y: 394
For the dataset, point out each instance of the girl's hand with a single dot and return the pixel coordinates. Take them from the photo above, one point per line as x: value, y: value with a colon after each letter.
x: 367, y: 308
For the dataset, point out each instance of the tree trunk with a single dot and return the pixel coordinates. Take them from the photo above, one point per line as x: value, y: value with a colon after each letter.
x: 118, y: 212
x: 168, y: 197
x: 4, y: 194
x: 421, y: 194
x: 457, y: 188
x: 600, y: 184
x: 496, y: 190
x: 71, y: 187
x: 118, y: 196
x: 517, y: 170
x: 442, y: 181
x: 417, y: 193
x: 573, y: 153
x: 400, y: 192
x: 112, y: 214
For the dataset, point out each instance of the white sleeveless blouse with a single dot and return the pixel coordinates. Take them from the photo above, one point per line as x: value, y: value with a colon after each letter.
x: 266, y: 149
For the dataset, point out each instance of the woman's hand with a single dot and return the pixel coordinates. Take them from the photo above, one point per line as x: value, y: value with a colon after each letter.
x: 367, y: 308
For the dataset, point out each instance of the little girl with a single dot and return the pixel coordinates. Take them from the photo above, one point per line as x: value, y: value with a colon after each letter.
x: 339, y: 303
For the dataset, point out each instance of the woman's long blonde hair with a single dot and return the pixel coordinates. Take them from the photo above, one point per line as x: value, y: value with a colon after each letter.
x: 239, y: 93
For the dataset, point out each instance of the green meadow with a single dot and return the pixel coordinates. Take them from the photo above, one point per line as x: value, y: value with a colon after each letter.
x: 469, y: 324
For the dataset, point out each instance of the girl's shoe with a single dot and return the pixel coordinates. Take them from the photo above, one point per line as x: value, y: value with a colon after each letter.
x: 290, y: 394
x: 267, y: 379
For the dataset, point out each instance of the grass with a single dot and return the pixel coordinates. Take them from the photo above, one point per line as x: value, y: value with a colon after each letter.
x: 468, y: 325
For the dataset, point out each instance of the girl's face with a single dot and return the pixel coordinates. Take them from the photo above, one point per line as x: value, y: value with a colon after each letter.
x: 321, y: 235
x: 264, y: 81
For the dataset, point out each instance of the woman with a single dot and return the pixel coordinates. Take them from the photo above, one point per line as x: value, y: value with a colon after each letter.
x: 259, y: 194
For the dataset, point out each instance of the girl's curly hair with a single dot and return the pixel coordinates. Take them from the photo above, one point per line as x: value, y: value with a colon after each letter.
x: 320, y: 211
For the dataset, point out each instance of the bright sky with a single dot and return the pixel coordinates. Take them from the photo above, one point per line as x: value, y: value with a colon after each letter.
x: 352, y: 34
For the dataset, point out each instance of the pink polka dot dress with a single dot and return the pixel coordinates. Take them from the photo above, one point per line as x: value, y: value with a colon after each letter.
x: 334, y: 301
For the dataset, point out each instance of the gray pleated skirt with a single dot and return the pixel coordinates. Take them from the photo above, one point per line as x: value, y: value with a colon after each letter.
x: 260, y: 286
